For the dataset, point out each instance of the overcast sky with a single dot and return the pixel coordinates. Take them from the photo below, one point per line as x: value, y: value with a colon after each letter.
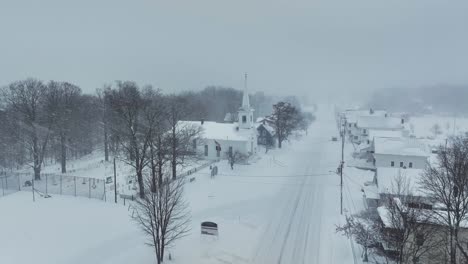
x: 300, y: 47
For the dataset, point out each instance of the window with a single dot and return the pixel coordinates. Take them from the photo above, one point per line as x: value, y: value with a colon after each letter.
x: 194, y: 142
x: 392, y: 164
x: 364, y: 131
x: 349, y: 125
x: 206, y: 150
x: 410, y: 165
x: 355, y: 137
x: 401, y: 164
x: 244, y: 119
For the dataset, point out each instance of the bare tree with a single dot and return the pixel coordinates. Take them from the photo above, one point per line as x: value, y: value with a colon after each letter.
x: 181, y: 135
x: 11, y: 147
x: 163, y: 215
x: 62, y: 102
x: 27, y: 99
x: 155, y: 118
x: 285, y: 119
x: 103, y: 98
x: 364, y: 228
x: 128, y: 107
x: 446, y: 182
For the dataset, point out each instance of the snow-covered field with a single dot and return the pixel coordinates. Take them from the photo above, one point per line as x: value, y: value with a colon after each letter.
x: 421, y: 126
x: 282, y: 208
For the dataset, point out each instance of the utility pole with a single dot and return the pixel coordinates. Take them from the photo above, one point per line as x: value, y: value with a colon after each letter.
x: 343, y: 136
x: 115, y: 183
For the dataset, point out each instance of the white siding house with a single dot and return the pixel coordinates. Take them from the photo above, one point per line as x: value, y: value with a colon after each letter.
x: 400, y: 153
x: 352, y: 121
x: 364, y: 124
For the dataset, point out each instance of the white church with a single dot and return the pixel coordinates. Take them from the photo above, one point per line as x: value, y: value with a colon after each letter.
x: 219, y: 140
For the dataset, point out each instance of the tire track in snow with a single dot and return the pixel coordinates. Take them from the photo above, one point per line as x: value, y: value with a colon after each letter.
x: 295, y: 236
x: 291, y: 221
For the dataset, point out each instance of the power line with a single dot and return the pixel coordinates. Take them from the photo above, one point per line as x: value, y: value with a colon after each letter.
x: 298, y: 184
x: 272, y: 176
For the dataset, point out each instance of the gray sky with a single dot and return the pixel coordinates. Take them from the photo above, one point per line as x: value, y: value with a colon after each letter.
x: 300, y: 47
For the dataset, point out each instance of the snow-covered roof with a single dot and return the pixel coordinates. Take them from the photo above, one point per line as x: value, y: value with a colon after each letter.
x: 219, y: 131
x: 261, y: 119
x: 384, y: 133
x: 353, y: 115
x: 435, y: 217
x: 379, y: 122
x: 400, y: 147
x: 364, y: 146
x: 389, y: 178
x: 269, y: 128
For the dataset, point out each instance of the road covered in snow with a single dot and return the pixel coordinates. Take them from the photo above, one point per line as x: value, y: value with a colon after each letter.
x: 301, y: 226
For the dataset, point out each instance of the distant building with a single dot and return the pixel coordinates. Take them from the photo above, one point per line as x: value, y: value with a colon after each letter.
x: 360, y: 131
x: 359, y: 122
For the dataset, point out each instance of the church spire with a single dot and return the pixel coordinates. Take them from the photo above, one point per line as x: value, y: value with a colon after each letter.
x: 245, y: 98
x: 245, y: 111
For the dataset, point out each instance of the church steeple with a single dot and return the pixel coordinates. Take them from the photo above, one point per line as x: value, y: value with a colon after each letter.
x: 245, y: 98
x: 245, y: 111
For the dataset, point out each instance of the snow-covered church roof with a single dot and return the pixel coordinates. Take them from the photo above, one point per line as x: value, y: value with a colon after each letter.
x: 218, y: 131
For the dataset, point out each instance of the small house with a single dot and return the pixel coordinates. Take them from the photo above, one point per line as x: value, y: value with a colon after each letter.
x: 400, y: 153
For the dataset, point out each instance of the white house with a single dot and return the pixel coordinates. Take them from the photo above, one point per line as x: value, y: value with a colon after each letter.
x: 393, y: 182
x: 360, y: 131
x: 352, y: 116
x: 400, y: 153
x: 219, y: 140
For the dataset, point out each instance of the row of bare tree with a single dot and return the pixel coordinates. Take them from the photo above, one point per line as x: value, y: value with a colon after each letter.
x: 41, y: 120
x: 55, y: 122
x: 430, y: 226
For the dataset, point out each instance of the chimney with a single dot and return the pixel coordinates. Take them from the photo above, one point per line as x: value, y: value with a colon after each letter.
x: 202, y: 121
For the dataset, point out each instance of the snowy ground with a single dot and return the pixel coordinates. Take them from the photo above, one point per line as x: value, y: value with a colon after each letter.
x: 283, y: 208
x: 422, y: 125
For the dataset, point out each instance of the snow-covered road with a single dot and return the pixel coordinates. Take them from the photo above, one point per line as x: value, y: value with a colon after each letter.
x: 301, y: 226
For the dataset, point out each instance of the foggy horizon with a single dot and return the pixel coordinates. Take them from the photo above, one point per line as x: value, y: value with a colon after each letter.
x: 317, y: 48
